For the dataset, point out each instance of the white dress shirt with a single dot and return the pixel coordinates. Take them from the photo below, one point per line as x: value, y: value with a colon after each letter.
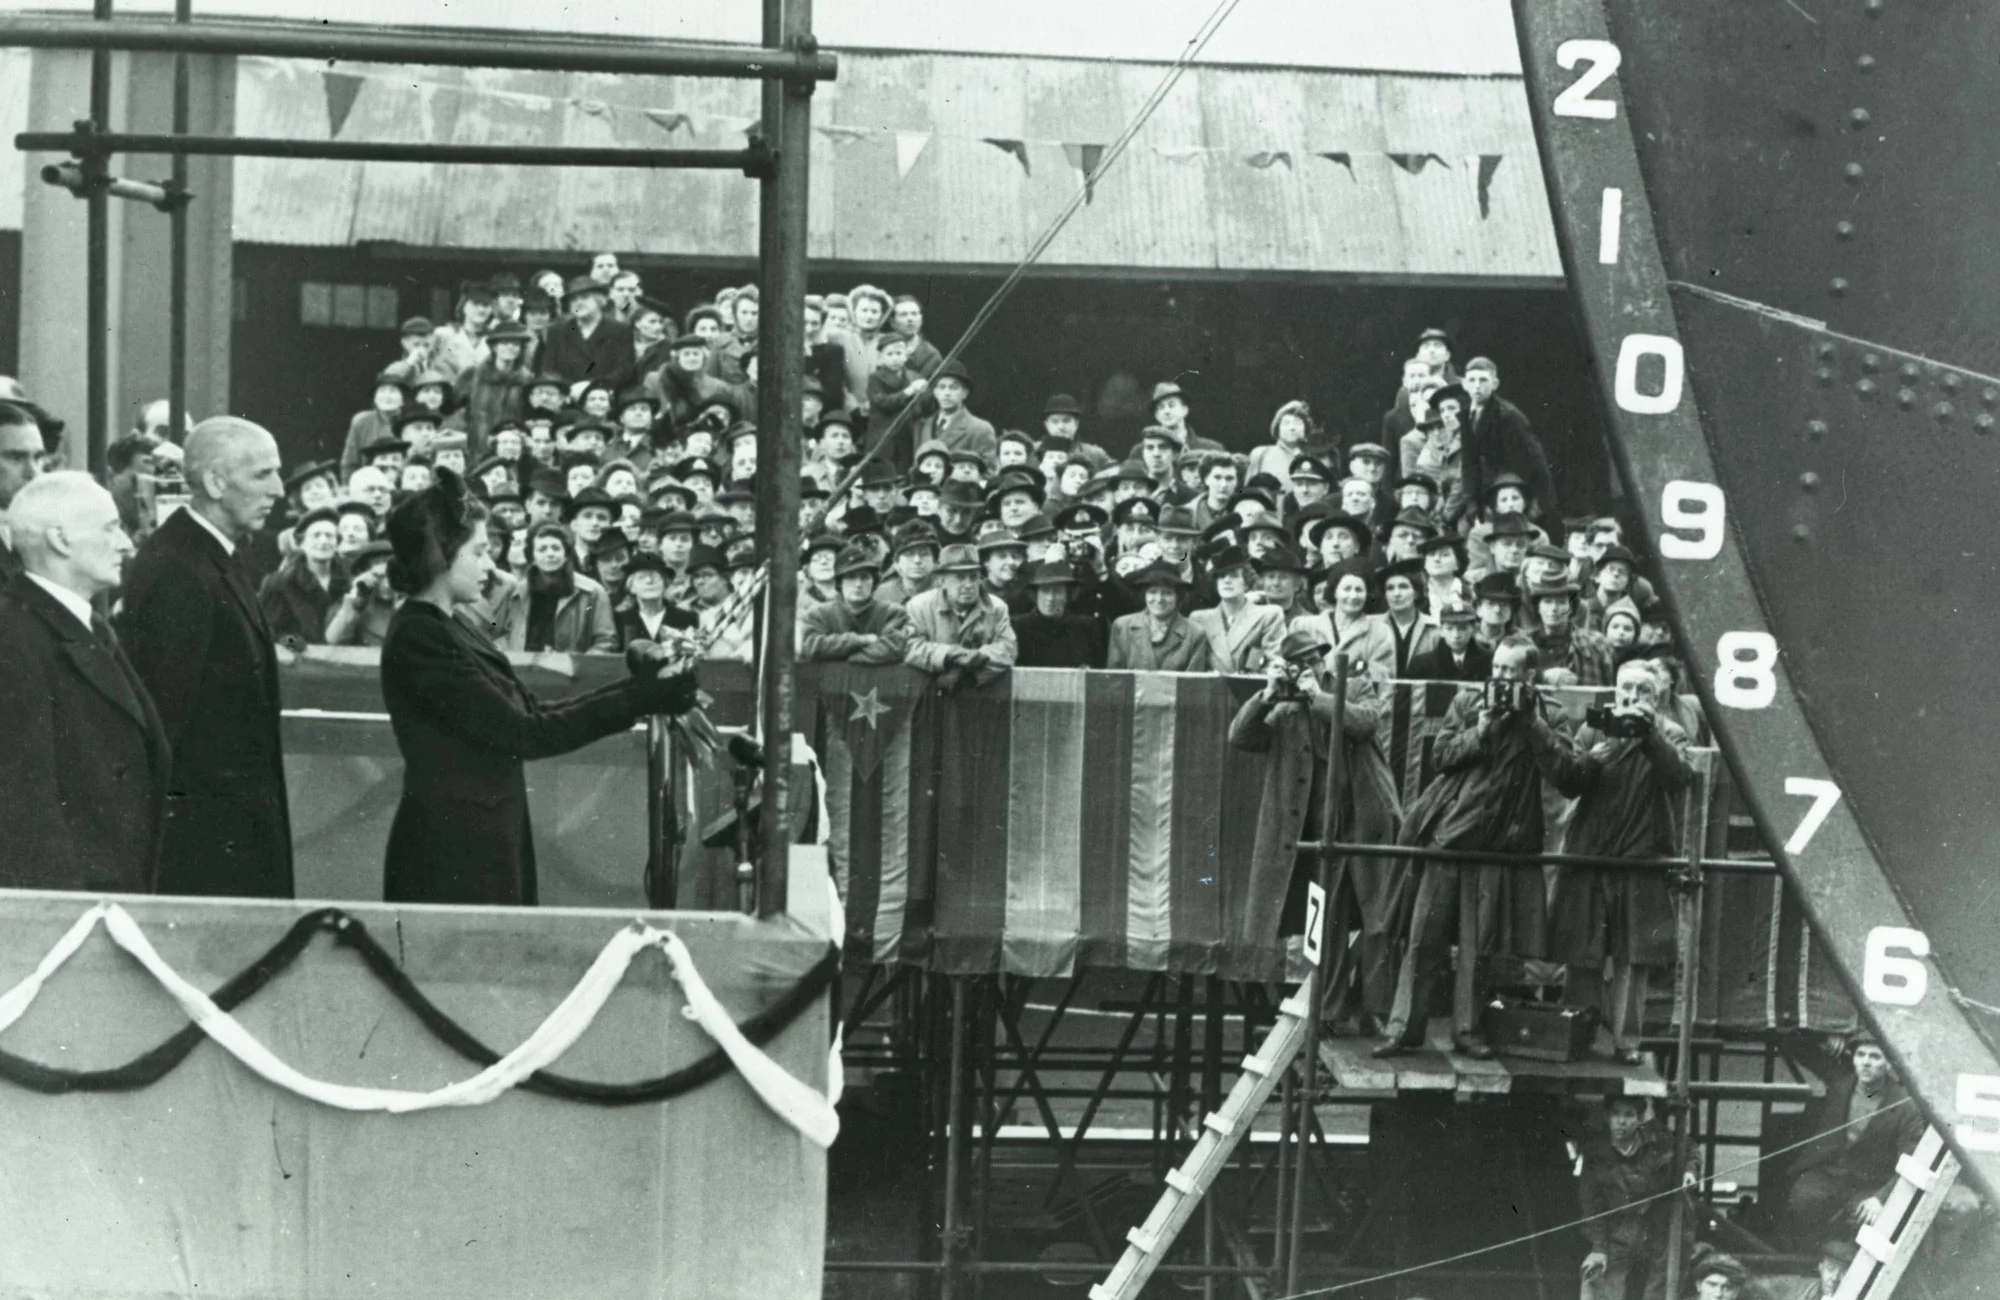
x: 68, y: 599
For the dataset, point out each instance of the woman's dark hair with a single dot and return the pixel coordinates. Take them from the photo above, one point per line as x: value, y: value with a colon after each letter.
x: 428, y: 528
x: 541, y: 530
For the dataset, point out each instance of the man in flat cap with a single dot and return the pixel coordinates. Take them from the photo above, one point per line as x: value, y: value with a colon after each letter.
x: 199, y: 641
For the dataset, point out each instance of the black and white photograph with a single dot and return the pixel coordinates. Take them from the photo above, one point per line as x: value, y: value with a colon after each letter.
x: 1023, y: 650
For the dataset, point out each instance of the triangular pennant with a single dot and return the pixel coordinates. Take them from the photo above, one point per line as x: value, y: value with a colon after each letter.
x: 1488, y: 164
x: 1085, y: 157
x: 1018, y: 148
x: 1414, y: 163
x: 591, y: 107
x: 1267, y: 158
x: 844, y: 134
x: 670, y: 122
x: 1180, y: 153
x: 909, y: 147
x: 1343, y: 158
x: 341, y: 88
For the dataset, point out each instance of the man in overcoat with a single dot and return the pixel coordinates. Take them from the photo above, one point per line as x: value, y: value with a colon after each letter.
x: 195, y: 634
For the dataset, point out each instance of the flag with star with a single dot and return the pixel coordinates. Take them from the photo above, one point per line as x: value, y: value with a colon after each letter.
x: 871, y: 727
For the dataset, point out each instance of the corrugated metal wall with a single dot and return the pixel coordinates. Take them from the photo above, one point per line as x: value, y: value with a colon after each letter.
x: 914, y: 177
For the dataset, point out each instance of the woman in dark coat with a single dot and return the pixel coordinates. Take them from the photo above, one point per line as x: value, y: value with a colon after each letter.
x: 464, y: 722
x: 299, y: 595
x: 1626, y: 788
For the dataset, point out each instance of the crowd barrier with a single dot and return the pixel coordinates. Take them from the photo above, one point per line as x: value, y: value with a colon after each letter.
x: 1052, y: 821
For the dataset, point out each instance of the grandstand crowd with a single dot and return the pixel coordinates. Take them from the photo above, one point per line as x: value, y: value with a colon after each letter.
x: 604, y: 451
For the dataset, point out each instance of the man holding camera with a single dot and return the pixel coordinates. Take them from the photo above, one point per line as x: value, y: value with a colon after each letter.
x: 1487, y: 796
x: 1627, y: 769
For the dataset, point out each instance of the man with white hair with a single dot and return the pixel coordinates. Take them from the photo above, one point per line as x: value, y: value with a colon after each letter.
x: 199, y: 640
x: 86, y: 759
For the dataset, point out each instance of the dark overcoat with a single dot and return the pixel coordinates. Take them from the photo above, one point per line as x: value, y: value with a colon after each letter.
x: 465, y: 725
x: 1626, y: 790
x: 84, y: 764
x: 195, y: 634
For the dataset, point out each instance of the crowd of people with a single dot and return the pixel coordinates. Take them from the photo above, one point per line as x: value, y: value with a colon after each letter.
x: 568, y: 466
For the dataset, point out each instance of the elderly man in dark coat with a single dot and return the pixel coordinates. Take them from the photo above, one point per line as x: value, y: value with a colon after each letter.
x: 1290, y: 719
x: 85, y: 760
x: 1626, y: 781
x: 1487, y: 796
x: 199, y: 641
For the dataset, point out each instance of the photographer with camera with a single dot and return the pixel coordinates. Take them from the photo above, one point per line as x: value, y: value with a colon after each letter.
x: 1487, y: 796
x: 1626, y: 770
x: 361, y: 617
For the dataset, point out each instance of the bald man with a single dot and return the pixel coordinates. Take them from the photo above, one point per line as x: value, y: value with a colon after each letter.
x: 194, y: 630
x: 84, y: 768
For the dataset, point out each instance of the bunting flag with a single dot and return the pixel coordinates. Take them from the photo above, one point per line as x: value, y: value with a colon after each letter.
x: 1018, y: 148
x: 1268, y: 158
x: 1414, y: 163
x: 1344, y: 159
x: 844, y: 134
x: 1488, y: 164
x: 1416, y: 715
x: 1085, y: 158
x: 1181, y: 153
x: 910, y: 146
x: 873, y: 731
x: 670, y: 122
x: 340, y: 88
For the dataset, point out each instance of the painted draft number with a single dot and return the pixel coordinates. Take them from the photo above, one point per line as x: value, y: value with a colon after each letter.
x: 1315, y: 920
x: 1746, y: 670
x: 1601, y: 60
x: 1697, y: 508
x: 1673, y: 374
x: 1893, y: 971
x: 1978, y: 1098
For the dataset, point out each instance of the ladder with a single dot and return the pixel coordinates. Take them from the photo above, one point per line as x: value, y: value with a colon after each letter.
x: 1923, y: 1179
x: 1147, y: 1244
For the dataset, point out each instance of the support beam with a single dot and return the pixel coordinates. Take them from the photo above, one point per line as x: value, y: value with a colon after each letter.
x: 524, y: 50
x: 754, y: 161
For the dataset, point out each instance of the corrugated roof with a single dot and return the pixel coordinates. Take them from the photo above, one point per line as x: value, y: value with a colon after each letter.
x: 915, y: 177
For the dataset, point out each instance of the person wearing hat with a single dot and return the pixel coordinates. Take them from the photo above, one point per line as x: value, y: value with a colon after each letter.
x: 361, y: 617
x: 1281, y: 577
x: 1436, y: 448
x: 1443, y: 558
x: 587, y: 346
x: 1415, y: 632
x: 1405, y: 535
x: 1564, y: 644
x: 374, y: 424
x: 1310, y: 482
x: 1624, y: 1201
x: 1507, y: 541
x: 1417, y: 492
x: 1620, y: 625
x: 1497, y: 438
x: 385, y: 454
x: 1291, y: 429
x: 312, y: 485
x: 967, y: 466
x: 1836, y: 1256
x: 1456, y: 656
x: 1614, y: 577
x: 949, y: 421
x: 879, y: 486
x: 1158, y: 637
x: 1242, y: 636
x: 1052, y: 634
x: 684, y: 387
x: 1290, y: 720
x: 856, y: 627
x: 448, y: 452
x: 913, y: 554
x: 418, y: 427
x: 1716, y: 1276
x: 1864, y: 1123
x: 1153, y: 458
x: 1135, y: 538
x: 297, y: 597
x: 646, y: 614
x: 461, y: 345
x: 588, y: 514
x: 508, y: 513
x: 959, y: 508
x: 892, y: 388
x: 1335, y: 537
x: 1062, y: 419
x: 1014, y: 496
x: 1371, y: 461
x: 1002, y: 556
x: 1350, y: 587
x: 817, y: 583
x: 414, y: 336
x: 1496, y: 602
x: 1170, y: 412
x: 957, y: 631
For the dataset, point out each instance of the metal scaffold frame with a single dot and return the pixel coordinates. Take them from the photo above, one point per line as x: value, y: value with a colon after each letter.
x: 789, y: 64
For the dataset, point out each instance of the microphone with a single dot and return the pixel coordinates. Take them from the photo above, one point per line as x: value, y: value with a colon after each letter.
x: 746, y: 752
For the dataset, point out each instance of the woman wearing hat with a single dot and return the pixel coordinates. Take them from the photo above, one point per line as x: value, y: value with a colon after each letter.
x: 1563, y: 644
x: 1347, y: 626
x: 376, y: 424
x: 1159, y: 638
x: 587, y: 345
x: 1242, y: 637
x: 1053, y: 634
x: 463, y: 721
x: 855, y: 628
x: 297, y: 598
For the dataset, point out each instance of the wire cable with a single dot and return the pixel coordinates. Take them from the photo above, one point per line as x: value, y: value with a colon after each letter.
x: 1588, y: 1218
x: 1195, y: 45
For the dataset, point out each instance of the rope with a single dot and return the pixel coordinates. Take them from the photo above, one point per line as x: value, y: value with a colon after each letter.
x: 1588, y: 1218
x: 156, y: 1063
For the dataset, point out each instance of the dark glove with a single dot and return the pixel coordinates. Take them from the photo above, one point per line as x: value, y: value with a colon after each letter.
x: 676, y: 694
